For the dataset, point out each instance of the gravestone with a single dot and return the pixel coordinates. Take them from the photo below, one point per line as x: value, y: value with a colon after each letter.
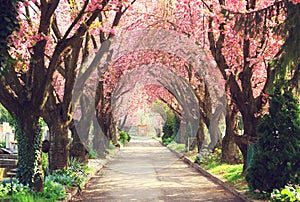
x: 9, y: 140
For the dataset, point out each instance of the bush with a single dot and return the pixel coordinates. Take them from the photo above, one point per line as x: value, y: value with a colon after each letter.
x: 92, y: 153
x: 54, y: 185
x: 10, y: 188
x: 53, y: 190
x: 170, y: 128
x: 45, y: 164
x: 67, y: 177
x: 276, y: 162
x: 124, y: 137
x: 207, y: 158
x: 2, y: 144
x: 289, y: 193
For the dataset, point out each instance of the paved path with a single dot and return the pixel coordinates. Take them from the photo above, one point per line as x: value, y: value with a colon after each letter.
x: 146, y: 171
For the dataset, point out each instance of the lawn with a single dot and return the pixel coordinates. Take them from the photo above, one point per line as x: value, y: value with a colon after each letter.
x: 229, y: 173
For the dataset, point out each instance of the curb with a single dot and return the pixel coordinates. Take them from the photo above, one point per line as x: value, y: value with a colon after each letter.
x: 74, y: 190
x: 97, y: 168
x: 210, y: 176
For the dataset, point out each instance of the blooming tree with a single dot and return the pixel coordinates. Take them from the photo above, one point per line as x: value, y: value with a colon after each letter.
x: 54, y: 38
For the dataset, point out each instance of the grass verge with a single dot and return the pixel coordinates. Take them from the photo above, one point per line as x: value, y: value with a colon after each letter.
x: 231, y: 174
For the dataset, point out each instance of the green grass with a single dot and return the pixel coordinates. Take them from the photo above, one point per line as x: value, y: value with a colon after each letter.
x: 177, y: 147
x: 229, y: 173
x: 29, y: 197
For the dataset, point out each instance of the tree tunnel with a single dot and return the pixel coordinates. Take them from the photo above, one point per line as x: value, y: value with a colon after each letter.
x: 175, y: 85
x: 89, y: 90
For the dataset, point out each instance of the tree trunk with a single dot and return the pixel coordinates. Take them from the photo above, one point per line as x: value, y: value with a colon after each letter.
x: 29, y: 151
x: 249, y: 136
x: 78, y: 148
x: 183, y: 133
x: 213, y: 128
x: 250, y: 125
x: 242, y: 143
x: 229, y: 147
x: 59, y: 145
x: 100, y: 140
x: 113, y: 135
x: 200, y: 135
x: 81, y: 129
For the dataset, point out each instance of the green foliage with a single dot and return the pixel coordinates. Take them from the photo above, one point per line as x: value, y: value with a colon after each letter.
x: 170, y: 128
x: 93, y: 154
x: 54, y: 185
x: 124, y: 137
x: 29, y: 155
x: 177, y: 147
x: 8, y: 187
x: 287, y: 194
x: 2, y: 144
x: 276, y: 162
x: 45, y: 163
x: 74, y: 165
x: 286, y: 67
x: 232, y: 174
x: 68, y: 177
x: 29, y: 197
x: 211, y: 159
x: 53, y: 190
x: 5, y: 116
x: 9, y: 23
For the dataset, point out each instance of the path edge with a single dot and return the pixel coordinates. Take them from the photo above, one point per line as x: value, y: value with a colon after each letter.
x: 210, y: 176
x: 97, y: 168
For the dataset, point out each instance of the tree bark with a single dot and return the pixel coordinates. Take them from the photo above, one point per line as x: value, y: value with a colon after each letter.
x: 242, y: 143
x: 59, y: 145
x: 100, y: 140
x: 29, y: 150
x: 213, y: 128
x: 229, y: 147
x: 78, y: 148
x: 200, y: 135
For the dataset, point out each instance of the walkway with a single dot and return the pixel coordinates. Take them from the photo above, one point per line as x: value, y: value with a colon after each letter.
x: 146, y: 171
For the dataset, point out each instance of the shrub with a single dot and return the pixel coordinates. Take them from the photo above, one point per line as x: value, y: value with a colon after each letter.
x: 124, y: 137
x: 170, y: 128
x: 92, y: 153
x: 276, y: 162
x: 68, y: 177
x: 45, y: 164
x: 7, y: 188
x: 206, y: 157
x: 76, y: 166
x: 2, y: 144
x: 289, y: 193
x: 53, y: 190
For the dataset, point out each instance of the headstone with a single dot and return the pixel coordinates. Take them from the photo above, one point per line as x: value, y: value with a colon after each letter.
x: 9, y: 139
x: 2, y: 136
x: 45, y: 132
